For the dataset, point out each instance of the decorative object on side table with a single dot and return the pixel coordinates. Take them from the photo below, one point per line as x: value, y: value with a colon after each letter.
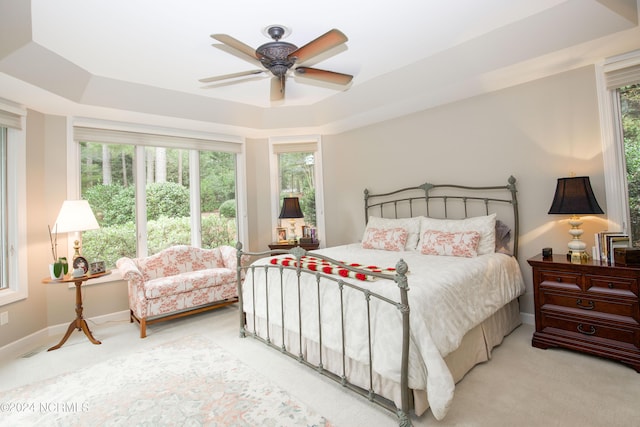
x: 60, y: 266
x: 282, y: 234
x: 97, y: 267
x: 627, y: 257
x: 574, y: 197
x: 81, y: 263
x: 291, y: 211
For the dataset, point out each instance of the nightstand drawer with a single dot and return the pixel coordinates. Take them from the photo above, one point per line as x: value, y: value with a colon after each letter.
x: 618, y: 286
x: 591, y: 329
x: 561, y: 280
x: 588, y: 305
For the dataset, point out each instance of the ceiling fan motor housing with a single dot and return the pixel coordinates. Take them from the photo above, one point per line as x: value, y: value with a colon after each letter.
x: 275, y: 56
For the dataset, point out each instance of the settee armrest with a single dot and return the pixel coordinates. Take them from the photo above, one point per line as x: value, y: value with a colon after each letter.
x: 129, y: 270
x: 230, y: 258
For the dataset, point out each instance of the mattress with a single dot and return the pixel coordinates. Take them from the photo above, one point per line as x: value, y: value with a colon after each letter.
x: 450, y: 297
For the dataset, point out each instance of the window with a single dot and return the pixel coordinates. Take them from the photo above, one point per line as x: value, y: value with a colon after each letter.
x: 13, y: 285
x: 296, y: 172
x: 620, y: 117
x: 149, y: 192
x: 629, y: 103
x: 4, y: 256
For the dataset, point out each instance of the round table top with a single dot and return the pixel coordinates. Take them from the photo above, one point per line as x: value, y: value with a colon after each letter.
x: 70, y: 279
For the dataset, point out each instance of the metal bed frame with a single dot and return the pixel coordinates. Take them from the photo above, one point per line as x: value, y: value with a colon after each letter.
x: 397, y: 202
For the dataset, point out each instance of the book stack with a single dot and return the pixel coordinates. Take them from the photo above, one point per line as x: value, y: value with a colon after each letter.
x: 606, y: 242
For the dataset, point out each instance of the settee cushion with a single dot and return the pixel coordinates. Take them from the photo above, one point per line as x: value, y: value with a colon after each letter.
x: 188, y: 281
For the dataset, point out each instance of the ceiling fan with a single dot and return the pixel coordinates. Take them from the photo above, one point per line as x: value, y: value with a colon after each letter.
x: 278, y: 58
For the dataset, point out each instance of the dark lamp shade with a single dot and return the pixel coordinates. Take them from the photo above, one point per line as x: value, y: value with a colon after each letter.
x: 291, y: 208
x: 574, y: 196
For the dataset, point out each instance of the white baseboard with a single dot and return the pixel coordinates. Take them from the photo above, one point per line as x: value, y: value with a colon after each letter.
x: 28, y: 343
x: 528, y: 318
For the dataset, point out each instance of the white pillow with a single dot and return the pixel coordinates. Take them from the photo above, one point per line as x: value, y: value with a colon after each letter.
x: 388, y: 239
x: 459, y: 243
x: 485, y: 225
x: 412, y: 225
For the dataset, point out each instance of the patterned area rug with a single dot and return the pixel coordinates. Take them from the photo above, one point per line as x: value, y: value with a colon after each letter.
x: 188, y: 382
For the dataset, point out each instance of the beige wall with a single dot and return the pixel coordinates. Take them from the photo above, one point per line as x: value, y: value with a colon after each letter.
x: 538, y: 132
x: 50, y: 304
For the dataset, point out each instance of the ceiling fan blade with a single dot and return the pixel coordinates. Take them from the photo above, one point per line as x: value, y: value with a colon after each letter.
x: 277, y: 88
x: 237, y: 45
x: 328, y: 40
x: 230, y: 76
x: 324, y: 75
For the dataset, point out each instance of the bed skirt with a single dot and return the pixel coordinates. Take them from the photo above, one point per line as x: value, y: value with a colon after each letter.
x: 475, y: 348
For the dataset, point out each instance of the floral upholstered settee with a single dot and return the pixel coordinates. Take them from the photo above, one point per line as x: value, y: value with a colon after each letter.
x: 179, y: 281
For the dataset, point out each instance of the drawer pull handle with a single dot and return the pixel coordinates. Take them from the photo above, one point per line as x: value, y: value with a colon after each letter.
x: 610, y: 285
x: 589, y: 306
x: 559, y: 280
x: 591, y: 331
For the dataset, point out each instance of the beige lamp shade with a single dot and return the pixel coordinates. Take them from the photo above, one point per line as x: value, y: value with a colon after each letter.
x: 75, y: 215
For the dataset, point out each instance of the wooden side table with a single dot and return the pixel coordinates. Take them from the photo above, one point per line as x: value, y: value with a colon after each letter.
x: 592, y: 307
x: 79, y: 322
x: 287, y: 246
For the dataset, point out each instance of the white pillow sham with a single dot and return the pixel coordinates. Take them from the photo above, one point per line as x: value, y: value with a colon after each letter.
x: 484, y: 225
x: 411, y: 225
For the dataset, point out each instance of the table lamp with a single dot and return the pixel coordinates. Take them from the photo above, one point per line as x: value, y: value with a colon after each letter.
x: 75, y: 216
x: 291, y: 211
x: 574, y: 197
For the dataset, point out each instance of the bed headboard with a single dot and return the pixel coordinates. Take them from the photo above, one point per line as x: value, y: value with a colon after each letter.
x: 449, y: 201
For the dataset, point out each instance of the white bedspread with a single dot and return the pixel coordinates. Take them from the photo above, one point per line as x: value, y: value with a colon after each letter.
x: 448, y: 296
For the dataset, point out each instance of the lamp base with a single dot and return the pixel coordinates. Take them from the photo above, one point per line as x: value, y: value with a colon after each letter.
x: 292, y: 231
x: 76, y: 248
x: 578, y: 257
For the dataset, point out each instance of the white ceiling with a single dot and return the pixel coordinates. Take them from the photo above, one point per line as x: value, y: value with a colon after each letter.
x: 146, y: 56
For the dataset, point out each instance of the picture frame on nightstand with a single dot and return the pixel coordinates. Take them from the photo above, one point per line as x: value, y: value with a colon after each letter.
x: 281, y: 232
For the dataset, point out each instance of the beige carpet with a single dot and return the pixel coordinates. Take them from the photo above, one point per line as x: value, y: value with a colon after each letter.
x: 520, y: 386
x: 187, y: 382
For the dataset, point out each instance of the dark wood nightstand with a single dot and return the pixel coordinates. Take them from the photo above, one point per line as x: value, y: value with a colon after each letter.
x: 287, y: 246
x: 592, y: 308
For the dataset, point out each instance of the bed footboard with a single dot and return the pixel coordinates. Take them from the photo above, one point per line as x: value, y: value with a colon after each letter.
x: 265, y: 284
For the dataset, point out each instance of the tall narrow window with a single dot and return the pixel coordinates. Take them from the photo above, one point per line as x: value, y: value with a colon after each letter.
x: 4, y: 239
x: 620, y: 119
x: 297, y: 172
x: 629, y: 99
x: 297, y: 179
x: 13, y: 261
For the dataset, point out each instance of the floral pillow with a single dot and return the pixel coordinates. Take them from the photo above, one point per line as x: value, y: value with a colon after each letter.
x: 460, y: 243
x: 484, y: 225
x: 411, y: 225
x: 388, y: 239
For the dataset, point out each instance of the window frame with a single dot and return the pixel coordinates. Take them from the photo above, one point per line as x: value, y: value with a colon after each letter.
x: 73, y: 172
x: 18, y: 283
x: 618, y: 214
x: 274, y: 181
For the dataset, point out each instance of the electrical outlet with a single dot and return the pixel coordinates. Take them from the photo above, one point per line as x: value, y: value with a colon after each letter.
x: 4, y: 318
